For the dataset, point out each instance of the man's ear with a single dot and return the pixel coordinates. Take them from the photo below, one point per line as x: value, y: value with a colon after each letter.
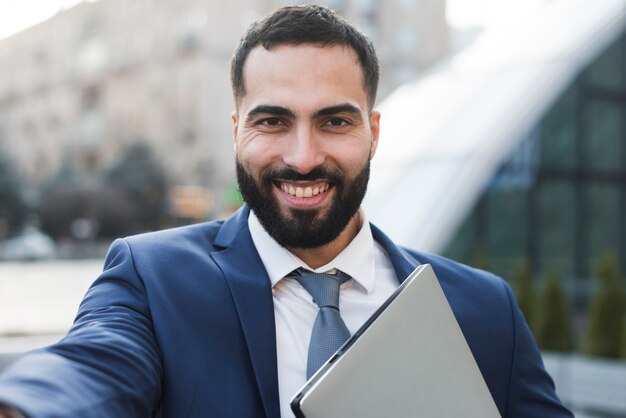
x: 375, y: 131
x: 235, y: 120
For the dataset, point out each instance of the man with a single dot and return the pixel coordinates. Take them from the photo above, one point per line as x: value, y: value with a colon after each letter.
x: 211, y: 320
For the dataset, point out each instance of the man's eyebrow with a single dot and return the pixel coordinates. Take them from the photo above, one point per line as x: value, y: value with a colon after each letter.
x: 340, y: 108
x: 269, y: 110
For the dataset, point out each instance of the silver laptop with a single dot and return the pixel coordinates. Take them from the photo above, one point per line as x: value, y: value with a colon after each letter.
x: 409, y: 359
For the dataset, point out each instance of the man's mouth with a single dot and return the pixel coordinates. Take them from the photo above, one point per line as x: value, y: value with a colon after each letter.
x: 304, y: 191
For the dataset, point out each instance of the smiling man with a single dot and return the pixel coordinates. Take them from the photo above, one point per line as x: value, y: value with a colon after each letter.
x: 222, y: 319
x: 304, y: 136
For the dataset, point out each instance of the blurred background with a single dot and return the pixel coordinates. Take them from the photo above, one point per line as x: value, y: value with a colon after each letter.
x: 503, y: 141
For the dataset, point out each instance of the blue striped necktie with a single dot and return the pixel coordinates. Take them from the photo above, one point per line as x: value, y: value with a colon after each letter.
x: 329, y: 331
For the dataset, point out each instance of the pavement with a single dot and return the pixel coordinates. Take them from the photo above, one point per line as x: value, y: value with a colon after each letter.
x: 38, y: 300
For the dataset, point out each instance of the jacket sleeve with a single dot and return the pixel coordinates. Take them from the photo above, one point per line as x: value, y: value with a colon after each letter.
x: 108, y: 365
x: 531, y: 391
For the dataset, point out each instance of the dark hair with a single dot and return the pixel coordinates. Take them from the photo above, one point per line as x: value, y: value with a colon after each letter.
x: 297, y: 25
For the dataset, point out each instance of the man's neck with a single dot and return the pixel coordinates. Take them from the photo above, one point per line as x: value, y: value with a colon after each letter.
x: 324, y: 254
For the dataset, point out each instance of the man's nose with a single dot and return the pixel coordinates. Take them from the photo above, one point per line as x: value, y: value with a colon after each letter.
x: 304, y: 152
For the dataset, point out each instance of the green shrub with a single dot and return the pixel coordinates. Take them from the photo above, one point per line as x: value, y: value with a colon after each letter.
x: 553, y: 323
x: 606, y: 314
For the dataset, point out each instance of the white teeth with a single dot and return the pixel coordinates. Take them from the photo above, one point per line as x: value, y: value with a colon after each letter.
x: 303, y: 192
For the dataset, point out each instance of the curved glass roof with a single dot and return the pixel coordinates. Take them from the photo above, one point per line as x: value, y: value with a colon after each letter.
x: 444, y: 135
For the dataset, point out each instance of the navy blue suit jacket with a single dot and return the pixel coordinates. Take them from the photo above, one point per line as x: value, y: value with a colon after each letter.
x: 181, y: 323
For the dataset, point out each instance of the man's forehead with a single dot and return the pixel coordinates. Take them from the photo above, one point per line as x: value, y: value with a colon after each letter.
x: 293, y: 60
x: 290, y: 75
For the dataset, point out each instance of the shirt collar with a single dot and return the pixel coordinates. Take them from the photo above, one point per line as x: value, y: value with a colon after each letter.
x: 356, y: 260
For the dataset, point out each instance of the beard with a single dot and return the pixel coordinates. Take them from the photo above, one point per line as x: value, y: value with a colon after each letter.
x: 302, y: 228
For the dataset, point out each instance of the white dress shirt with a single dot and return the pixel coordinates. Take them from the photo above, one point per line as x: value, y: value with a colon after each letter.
x: 373, y: 280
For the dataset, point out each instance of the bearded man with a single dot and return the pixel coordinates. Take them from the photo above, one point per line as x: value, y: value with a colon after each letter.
x: 216, y: 319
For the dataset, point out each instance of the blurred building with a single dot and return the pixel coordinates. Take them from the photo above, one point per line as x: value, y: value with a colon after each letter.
x: 524, y: 158
x: 97, y: 77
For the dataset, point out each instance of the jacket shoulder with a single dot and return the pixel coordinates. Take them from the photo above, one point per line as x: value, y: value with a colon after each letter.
x: 198, y: 234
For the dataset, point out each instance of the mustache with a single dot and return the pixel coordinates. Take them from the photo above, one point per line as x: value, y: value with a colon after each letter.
x: 288, y: 174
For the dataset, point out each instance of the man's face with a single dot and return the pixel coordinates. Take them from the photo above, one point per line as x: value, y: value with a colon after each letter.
x: 303, y: 141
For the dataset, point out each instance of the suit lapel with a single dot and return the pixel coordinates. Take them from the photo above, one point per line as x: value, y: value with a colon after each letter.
x: 403, y: 263
x: 252, y: 294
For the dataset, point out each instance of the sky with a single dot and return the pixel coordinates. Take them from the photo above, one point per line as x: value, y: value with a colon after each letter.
x: 488, y: 13
x: 19, y: 15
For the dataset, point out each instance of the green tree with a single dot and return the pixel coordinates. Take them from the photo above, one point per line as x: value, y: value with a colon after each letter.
x: 141, y: 178
x: 71, y: 198
x: 524, y: 289
x: 108, y: 212
x: 553, y: 323
x: 606, y: 314
x: 13, y: 208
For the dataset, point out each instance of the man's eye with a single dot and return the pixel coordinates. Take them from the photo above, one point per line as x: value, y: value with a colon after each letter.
x: 337, y: 122
x: 270, y: 122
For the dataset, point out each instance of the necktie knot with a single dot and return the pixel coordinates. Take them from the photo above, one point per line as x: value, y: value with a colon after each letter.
x: 323, y: 287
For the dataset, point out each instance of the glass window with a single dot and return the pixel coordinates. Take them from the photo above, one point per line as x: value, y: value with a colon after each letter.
x: 556, y: 206
x: 603, y: 201
x: 558, y: 147
x: 508, y: 228
x: 603, y: 134
x: 607, y: 71
x: 461, y: 247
